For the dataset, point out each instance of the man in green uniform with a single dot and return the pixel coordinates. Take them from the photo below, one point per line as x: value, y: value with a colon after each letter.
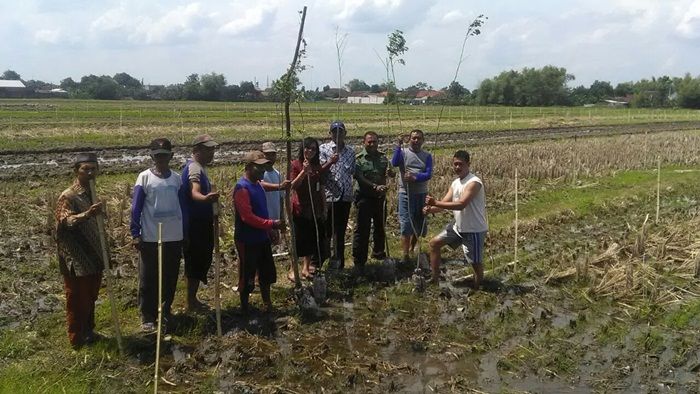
x: 371, y: 170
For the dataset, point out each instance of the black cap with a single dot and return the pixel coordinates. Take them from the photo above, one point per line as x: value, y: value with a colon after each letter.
x: 160, y: 145
x: 85, y: 157
x: 337, y: 125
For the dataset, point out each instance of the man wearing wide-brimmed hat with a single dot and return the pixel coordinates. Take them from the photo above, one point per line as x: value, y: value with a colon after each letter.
x: 79, y: 251
x: 252, y: 232
x: 198, y: 208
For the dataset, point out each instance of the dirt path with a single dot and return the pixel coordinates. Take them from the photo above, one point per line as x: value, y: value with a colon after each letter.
x: 41, y: 163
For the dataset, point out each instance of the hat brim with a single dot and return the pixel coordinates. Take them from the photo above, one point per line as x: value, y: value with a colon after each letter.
x: 209, y: 144
x: 270, y: 151
x: 160, y: 151
x: 260, y: 161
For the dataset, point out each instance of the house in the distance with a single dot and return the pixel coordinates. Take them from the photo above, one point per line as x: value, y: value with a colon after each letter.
x: 12, y: 88
x: 364, y: 97
x: 423, y: 96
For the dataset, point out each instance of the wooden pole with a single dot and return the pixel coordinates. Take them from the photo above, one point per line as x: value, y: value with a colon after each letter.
x: 160, y: 305
x: 217, y: 268
x: 515, y: 250
x: 288, y: 130
x: 108, y: 273
x: 658, y: 187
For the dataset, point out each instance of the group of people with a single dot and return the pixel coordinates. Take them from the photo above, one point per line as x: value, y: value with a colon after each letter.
x: 178, y: 210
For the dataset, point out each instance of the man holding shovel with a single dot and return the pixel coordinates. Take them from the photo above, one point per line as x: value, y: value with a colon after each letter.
x: 80, y: 257
x: 371, y: 170
x: 466, y: 199
x: 198, y: 208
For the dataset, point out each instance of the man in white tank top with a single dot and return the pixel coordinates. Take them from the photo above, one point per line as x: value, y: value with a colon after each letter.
x: 466, y: 199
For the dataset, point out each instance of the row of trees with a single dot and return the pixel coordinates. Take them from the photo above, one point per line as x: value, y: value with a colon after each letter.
x: 545, y: 86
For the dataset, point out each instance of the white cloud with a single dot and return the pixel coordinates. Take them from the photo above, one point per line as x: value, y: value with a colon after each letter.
x: 453, y: 16
x: 47, y: 36
x: 689, y: 25
x: 252, y: 18
x: 182, y: 22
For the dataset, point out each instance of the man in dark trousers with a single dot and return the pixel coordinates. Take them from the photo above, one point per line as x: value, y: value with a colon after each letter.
x: 79, y: 250
x: 198, y: 200
x: 338, y: 188
x: 371, y: 171
x: 252, y: 232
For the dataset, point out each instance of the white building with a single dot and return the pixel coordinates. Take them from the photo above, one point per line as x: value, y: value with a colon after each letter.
x: 366, y: 98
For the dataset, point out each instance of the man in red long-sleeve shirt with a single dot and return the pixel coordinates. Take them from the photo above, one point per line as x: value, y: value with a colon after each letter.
x: 252, y: 234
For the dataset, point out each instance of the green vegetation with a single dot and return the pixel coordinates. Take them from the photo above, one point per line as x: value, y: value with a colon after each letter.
x: 47, y: 124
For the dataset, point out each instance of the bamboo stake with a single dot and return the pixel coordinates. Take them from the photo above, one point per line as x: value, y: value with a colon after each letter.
x: 160, y: 305
x: 658, y: 187
x: 108, y: 274
x: 217, y: 268
x: 515, y: 250
x: 288, y: 130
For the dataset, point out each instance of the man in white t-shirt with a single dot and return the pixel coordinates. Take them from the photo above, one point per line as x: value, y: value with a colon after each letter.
x: 274, y: 187
x: 466, y: 199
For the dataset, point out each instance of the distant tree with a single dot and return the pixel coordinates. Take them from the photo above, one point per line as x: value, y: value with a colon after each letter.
x: 326, y: 88
x: 580, y: 96
x: 69, y: 84
x: 38, y: 85
x: 248, y: 92
x: 9, y: 74
x: 212, y: 86
x: 126, y: 80
x: 457, y: 94
x: 375, y: 88
x: 688, y: 89
x: 623, y: 89
x: 601, y: 90
x: 356, y: 85
x: 101, y: 88
x: 190, y: 89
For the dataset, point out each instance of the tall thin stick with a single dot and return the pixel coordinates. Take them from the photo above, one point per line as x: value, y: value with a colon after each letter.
x: 160, y: 305
x: 658, y: 187
x: 217, y: 268
x: 288, y: 129
x: 515, y: 249
x: 108, y: 274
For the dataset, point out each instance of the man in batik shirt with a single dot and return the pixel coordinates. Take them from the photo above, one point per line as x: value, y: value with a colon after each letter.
x: 79, y: 250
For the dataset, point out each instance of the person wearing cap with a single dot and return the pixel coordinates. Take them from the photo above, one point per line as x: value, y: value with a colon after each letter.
x: 157, y: 200
x: 339, y: 193
x: 274, y: 186
x: 371, y: 171
x: 79, y: 250
x: 198, y: 208
x: 252, y: 231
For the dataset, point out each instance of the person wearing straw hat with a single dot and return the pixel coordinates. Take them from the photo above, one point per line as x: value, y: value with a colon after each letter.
x: 198, y: 209
x: 467, y: 201
x: 80, y: 257
x: 339, y: 193
x: 274, y: 187
x: 157, y: 199
x: 252, y: 232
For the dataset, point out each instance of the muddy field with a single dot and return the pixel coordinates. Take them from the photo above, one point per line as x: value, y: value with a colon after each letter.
x: 19, y: 164
x: 601, y: 299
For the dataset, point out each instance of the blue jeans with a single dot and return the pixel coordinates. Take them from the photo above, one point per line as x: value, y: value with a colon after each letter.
x: 411, y: 210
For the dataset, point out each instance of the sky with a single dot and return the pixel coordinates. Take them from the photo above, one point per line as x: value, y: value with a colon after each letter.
x: 162, y: 42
